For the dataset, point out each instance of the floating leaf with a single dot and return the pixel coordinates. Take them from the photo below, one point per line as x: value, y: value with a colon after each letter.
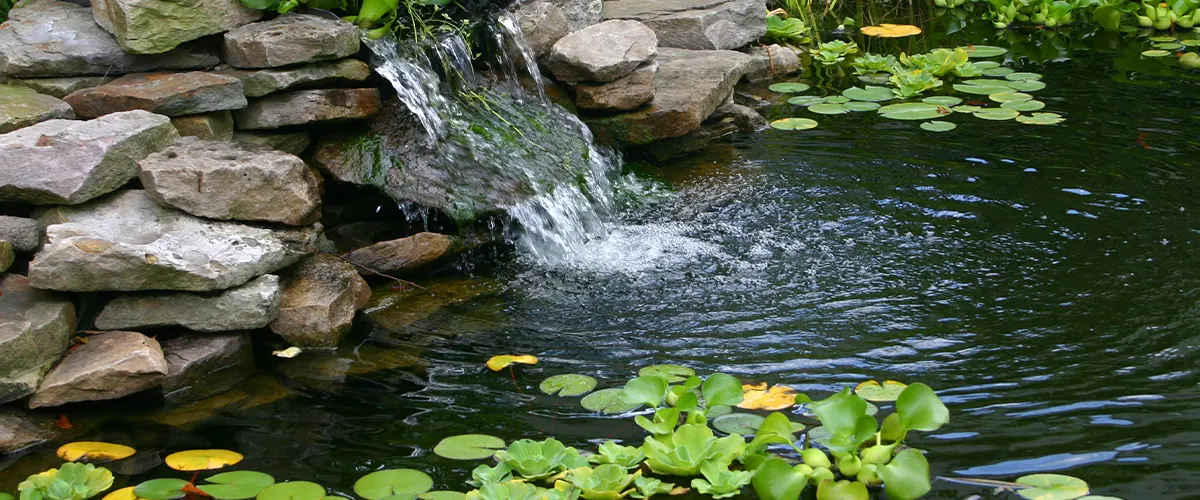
x: 876, y: 78
x: 738, y: 423
x: 722, y: 389
x: 775, y: 479
x: 919, y: 408
x: 468, y: 447
x: 906, y: 477
x: 984, y: 51
x: 978, y: 89
x: 1162, y: 39
x: 568, y: 385
x: 237, y: 485
x: 125, y: 493
x: 1168, y: 46
x: 442, y: 495
x: 996, y: 114
x: 913, y: 111
x: 1024, y: 75
x: 1003, y: 97
x: 942, y: 100
x: 161, y: 489
x: 497, y: 363
x: 1041, y: 119
x: 1051, y: 487
x: 788, y: 87
x: 886, y: 30
x: 1026, y: 105
x: 806, y: 100
x: 870, y: 94
x: 779, y: 397
x: 842, y: 490
x: 1155, y: 53
x: 94, y: 451
x: 673, y: 373
x: 837, y: 99
x: 861, y: 106
x: 793, y: 124
x: 385, y: 483
x: 1098, y: 497
x: 1187, y: 43
x: 194, y: 460
x: 608, y: 401
x: 288, y: 353
x: 997, y: 71
x: 1027, y: 85
x: 649, y: 390
x: 986, y: 64
x: 294, y: 490
x: 966, y: 108
x: 890, y: 389
x: 828, y: 109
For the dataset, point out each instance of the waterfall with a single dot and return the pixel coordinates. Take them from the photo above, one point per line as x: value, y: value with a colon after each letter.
x: 416, y: 83
x: 512, y: 30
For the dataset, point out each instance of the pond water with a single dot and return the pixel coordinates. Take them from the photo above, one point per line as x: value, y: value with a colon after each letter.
x: 1045, y: 280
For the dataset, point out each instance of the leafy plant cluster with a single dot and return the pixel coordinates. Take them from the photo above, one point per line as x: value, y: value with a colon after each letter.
x: 422, y: 19
x: 5, y: 6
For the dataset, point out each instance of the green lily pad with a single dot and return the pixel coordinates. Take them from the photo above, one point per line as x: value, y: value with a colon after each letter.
x: 789, y: 87
x: 861, y: 106
x: 869, y: 93
x: 1026, y: 105
x: 1041, y: 119
x: 237, y: 485
x: 293, y: 490
x: 938, y: 126
x: 987, y: 64
x: 1098, y: 497
x: 1162, y: 39
x: 996, y: 114
x: 385, y: 483
x: 1155, y: 53
x: 609, y: 401
x: 738, y: 423
x: 1190, y: 43
x: 984, y: 51
x: 966, y: 108
x: 999, y: 71
x: 673, y: 373
x: 468, y: 447
x: 979, y: 89
x: 837, y: 99
x: 1027, y: 85
x: 1051, y: 487
x: 913, y: 111
x: 1009, y: 96
x: 986, y: 82
x: 718, y: 411
x: 806, y: 100
x: 1168, y: 46
x: 1024, y: 75
x: 784, y: 124
x: 876, y: 78
x: 161, y: 489
x: 442, y: 495
x: 889, y: 390
x: 943, y: 100
x: 828, y: 109
x: 568, y: 385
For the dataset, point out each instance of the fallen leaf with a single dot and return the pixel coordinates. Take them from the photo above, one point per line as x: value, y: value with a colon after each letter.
x: 887, y: 30
x: 757, y: 397
x: 63, y: 422
x: 94, y: 451
x: 195, y: 460
x: 289, y: 353
x: 497, y: 363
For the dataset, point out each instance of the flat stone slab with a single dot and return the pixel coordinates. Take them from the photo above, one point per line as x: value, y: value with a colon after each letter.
x: 157, y: 26
x: 128, y: 242
x: 23, y: 233
x: 603, y: 52
x: 288, y: 142
x: 626, y: 93
x: 405, y: 254
x: 308, y: 106
x: 60, y: 87
x: 52, y: 38
x: 215, y: 126
x: 245, y: 307
x: 258, y: 83
x: 289, y: 39
x: 696, y: 24
x: 199, y: 366
x: 22, y: 107
x: 171, y: 94
x: 35, y: 328
x: 109, y: 366
x: 76, y: 161
x: 321, y: 296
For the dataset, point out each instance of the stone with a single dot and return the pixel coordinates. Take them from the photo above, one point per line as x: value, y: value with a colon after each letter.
x: 171, y: 94
x: 6, y: 255
x: 22, y: 107
x: 127, y: 242
x: 18, y: 433
x: 543, y: 23
x: 233, y: 181
x: 157, y: 26
x: 308, y: 106
x: 199, y: 366
x: 76, y: 161
x: 689, y: 86
x: 696, y: 24
x: 320, y: 298
x: 289, y: 39
x: 405, y: 254
x: 258, y: 83
x: 62, y: 86
x: 247, y: 307
x: 709, y: 132
x: 603, y: 52
x: 288, y: 142
x: 746, y: 118
x: 581, y: 13
x: 628, y: 92
x: 109, y: 366
x: 35, y: 329
x: 769, y: 62
x: 215, y: 126
x: 51, y: 38
x: 24, y: 234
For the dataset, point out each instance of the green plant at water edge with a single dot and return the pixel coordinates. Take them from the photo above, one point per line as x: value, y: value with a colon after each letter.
x: 5, y: 7
x: 71, y: 481
x: 539, y: 460
x: 910, y: 83
x: 691, y: 445
x: 719, y: 481
x: 790, y: 30
x: 606, y: 482
x: 629, y: 457
x: 873, y: 63
x: 831, y: 53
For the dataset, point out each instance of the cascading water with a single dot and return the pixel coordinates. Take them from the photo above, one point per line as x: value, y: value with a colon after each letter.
x: 416, y: 83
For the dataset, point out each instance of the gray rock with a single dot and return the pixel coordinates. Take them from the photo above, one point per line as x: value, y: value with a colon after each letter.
x: 628, y: 92
x: 62, y: 86
x: 320, y: 298
x: 171, y: 94
x: 35, y: 328
x: 199, y: 366
x: 17, y: 433
x: 127, y: 242
x: 307, y: 106
x: 76, y: 161
x: 215, y: 126
x: 24, y: 234
x: 51, y: 38
x: 710, y: 131
x: 769, y: 62
x: 746, y: 119
x: 405, y: 254
x: 245, y: 307
x: 157, y: 26
x: 289, y: 39
x: 543, y: 23
x: 6, y: 255
x: 258, y: 83
x: 581, y: 13
x: 110, y: 366
x: 603, y: 52
x: 288, y: 142
x: 696, y: 24
x: 233, y: 181
x: 22, y: 107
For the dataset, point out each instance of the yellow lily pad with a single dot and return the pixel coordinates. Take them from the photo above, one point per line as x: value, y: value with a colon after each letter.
x: 121, y: 494
x: 758, y: 397
x: 887, y: 30
x: 872, y: 390
x: 497, y: 363
x: 94, y: 451
x: 194, y: 460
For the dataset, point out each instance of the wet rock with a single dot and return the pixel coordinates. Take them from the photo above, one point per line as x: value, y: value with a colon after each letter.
x: 51, y: 38
x: 745, y: 118
x: 128, y: 242
x: 109, y: 366
x: 233, y: 181
x: 247, y: 307
x: 289, y: 39
x: 405, y: 254
x: 628, y: 92
x: 215, y: 126
x: 157, y: 26
x: 697, y: 140
x: 22, y: 107
x: 689, y: 86
x: 258, y: 83
x: 6, y: 255
x: 62, y: 86
x: 35, y: 327
x: 325, y: 368
x: 17, y: 433
x: 543, y: 23
x: 320, y: 298
x: 769, y: 62
x: 602, y: 53
x: 581, y: 13
x: 258, y: 390
x: 76, y: 161
x: 24, y: 234
x: 289, y: 142
x: 308, y: 106
x: 399, y: 310
x: 199, y: 366
x: 695, y: 24
x: 171, y: 94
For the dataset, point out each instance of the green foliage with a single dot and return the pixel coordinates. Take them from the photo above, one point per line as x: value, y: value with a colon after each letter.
x: 391, y: 482
x: 237, y: 485
x: 629, y: 457
x: 682, y: 452
x: 484, y: 474
x: 722, y: 389
x: 650, y: 390
x: 5, y: 7
x: 775, y: 479
x: 790, y: 31
x: 539, y: 460
x: 906, y: 477
x: 606, y: 482
x: 647, y: 487
x: 664, y: 422
x: 719, y: 481
x: 71, y: 481
x: 873, y: 63
x: 831, y: 53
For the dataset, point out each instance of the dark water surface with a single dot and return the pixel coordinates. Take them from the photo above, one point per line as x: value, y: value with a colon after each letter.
x: 1046, y: 280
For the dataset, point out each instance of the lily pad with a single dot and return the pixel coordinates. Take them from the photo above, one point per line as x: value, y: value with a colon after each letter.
x: 468, y: 447
x: 125, y: 493
x: 913, y: 111
x: 996, y: 114
x: 194, y: 460
x: 837, y: 99
x: 609, y: 401
x: 1026, y: 105
x: 497, y: 363
x: 1155, y: 53
x: 385, y: 483
x: 789, y: 87
x: 889, y: 390
x: 442, y: 495
x: 876, y: 78
x: 294, y: 490
x: 806, y: 100
x: 1051, y: 487
x: 1003, y: 97
x: 978, y: 89
x: 568, y: 385
x: 984, y: 51
x: 1041, y: 119
x: 758, y: 397
x: 1024, y: 75
x: 1162, y: 39
x: 673, y: 373
x: 828, y: 109
x: 1027, y: 85
x: 94, y: 451
x: 784, y: 124
x: 986, y: 82
x: 861, y: 106
x: 887, y: 30
x: 1190, y: 43
x: 161, y: 489
x: 987, y: 64
x: 237, y: 485
x: 738, y: 423
x: 1168, y: 46
x: 936, y: 126
x: 869, y: 93
x: 998, y: 71
x: 943, y: 100
x: 966, y: 108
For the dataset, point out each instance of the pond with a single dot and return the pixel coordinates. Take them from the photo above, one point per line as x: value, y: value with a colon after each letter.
x: 1045, y: 280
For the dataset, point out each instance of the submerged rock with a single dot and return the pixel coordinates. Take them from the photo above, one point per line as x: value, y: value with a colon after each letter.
x: 258, y: 83
x: 308, y: 106
x: 35, y: 328
x: 157, y: 26
x: 543, y: 23
x: 24, y: 234
x: 405, y: 254
x: 288, y: 142
x: 289, y: 39
x: 171, y: 94
x: 199, y: 366
x: 109, y: 366
x: 628, y: 92
x: 62, y: 86
x: 245, y: 307
x: 17, y: 433
x: 215, y: 126
x: 128, y: 242
x: 320, y: 298
x: 602, y: 53
x: 696, y: 24
x: 22, y: 107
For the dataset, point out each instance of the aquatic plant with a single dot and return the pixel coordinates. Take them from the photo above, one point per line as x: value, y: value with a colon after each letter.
x: 71, y: 481
x: 606, y: 482
x: 786, y: 30
x: 719, y: 481
x: 539, y: 460
x: 873, y: 63
x: 833, y: 52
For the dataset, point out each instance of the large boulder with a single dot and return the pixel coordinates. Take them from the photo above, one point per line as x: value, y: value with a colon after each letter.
x: 128, y: 242
x: 62, y: 86
x: 76, y: 161
x: 696, y: 24
x: 258, y: 83
x: 199, y: 366
x: 320, y: 298
x: 52, y: 38
x: 215, y: 126
x: 581, y: 13
x: 769, y: 62
x: 308, y: 106
x: 157, y: 26
x: 24, y: 234
x: 245, y: 307
x: 543, y: 23
x: 603, y: 52
x: 628, y: 92
x: 289, y: 39
x: 405, y: 254
x: 171, y: 94
x: 109, y: 366
x: 22, y: 107
x: 289, y: 142
x: 35, y: 328
x: 233, y: 180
